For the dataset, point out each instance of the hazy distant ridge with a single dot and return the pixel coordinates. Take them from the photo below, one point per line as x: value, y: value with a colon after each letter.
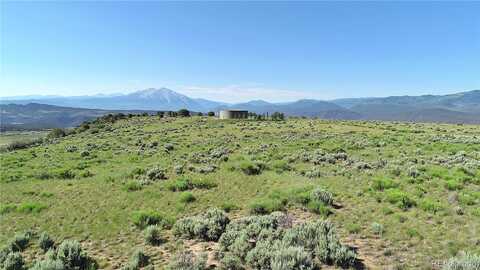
x: 463, y: 107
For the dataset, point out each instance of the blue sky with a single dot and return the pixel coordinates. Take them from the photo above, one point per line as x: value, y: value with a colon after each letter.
x: 235, y: 51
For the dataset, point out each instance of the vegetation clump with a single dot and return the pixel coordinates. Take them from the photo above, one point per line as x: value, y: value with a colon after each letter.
x: 156, y: 173
x: 138, y: 259
x: 269, y: 242
x: 465, y: 261
x: 142, y: 219
x: 45, y: 242
x: 152, y: 234
x: 208, y: 226
x: 186, y: 260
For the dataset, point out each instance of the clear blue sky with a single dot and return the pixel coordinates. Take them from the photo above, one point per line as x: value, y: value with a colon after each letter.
x: 238, y: 51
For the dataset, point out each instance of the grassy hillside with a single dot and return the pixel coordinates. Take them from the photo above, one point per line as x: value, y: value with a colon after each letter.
x: 404, y: 195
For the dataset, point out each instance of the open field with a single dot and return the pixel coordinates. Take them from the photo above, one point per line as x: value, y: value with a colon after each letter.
x: 12, y: 136
x: 404, y: 195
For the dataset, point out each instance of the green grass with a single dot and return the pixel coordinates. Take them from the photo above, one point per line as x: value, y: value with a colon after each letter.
x: 13, y: 136
x: 261, y: 174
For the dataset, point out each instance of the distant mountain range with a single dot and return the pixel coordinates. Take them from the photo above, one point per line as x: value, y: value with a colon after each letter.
x: 162, y: 99
x: 463, y: 107
x: 34, y: 116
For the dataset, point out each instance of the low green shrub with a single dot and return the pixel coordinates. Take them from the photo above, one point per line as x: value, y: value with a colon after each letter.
x: 464, y: 261
x: 319, y: 208
x: 266, y: 206
x: 156, y: 173
x: 377, y: 228
x: 186, y: 260
x: 48, y: 264
x: 269, y: 242
x: 227, y: 207
x: 66, y: 174
x: 251, y: 167
x: 400, y: 198
x: 45, y: 242
x: 152, y: 234
x: 12, y: 261
x: 322, y: 195
x: 381, y: 184
x: 207, y: 226
x: 132, y: 185
x: 231, y: 262
x: 453, y: 185
x: 7, y: 208
x: 429, y: 205
x: 72, y: 256
x: 291, y: 258
x: 30, y: 207
x: 187, y: 197
x: 180, y: 184
x: 184, y: 183
x: 142, y: 219
x: 19, y: 242
x: 138, y: 259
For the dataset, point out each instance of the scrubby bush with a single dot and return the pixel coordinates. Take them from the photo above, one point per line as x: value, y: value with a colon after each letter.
x: 266, y: 206
x: 48, y: 264
x: 19, y: 242
x: 319, y: 208
x: 227, y: 207
x: 187, y: 197
x: 138, y: 259
x: 381, y: 184
x: 251, y: 167
x: 184, y: 183
x: 231, y: 262
x: 132, y: 185
x: 66, y: 174
x: 377, y: 228
x: 268, y: 242
x: 13, y: 261
x: 464, y: 261
x: 186, y: 260
x: 291, y: 258
x: 45, y: 242
x: 168, y: 147
x: 430, y: 206
x: 152, y: 234
x: 180, y: 184
x: 70, y: 253
x: 207, y: 226
x: 313, y: 173
x: 142, y: 219
x: 400, y: 198
x: 322, y: 195
x: 156, y: 173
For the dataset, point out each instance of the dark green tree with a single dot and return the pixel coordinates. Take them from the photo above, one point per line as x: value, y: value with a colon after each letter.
x: 184, y: 113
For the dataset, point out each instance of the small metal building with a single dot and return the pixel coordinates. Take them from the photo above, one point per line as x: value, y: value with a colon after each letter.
x: 233, y: 114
